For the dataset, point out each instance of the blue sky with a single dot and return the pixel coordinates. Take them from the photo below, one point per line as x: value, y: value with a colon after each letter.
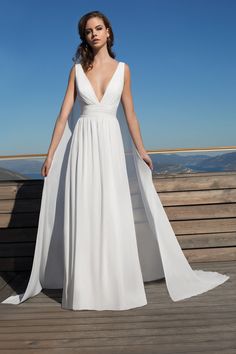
x: 181, y: 55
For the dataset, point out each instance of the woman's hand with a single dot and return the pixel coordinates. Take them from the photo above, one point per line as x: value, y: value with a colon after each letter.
x: 147, y: 159
x: 46, y: 166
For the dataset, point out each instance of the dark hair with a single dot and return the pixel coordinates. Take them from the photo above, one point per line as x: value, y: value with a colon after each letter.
x: 84, y: 53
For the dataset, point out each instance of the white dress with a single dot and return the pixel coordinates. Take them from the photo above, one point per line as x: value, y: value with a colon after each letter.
x: 102, y: 229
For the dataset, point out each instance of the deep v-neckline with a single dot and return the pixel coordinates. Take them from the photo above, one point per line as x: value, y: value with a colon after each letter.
x: 109, y: 82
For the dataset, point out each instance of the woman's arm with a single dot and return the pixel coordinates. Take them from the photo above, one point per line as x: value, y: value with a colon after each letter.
x: 131, y: 117
x: 59, y: 127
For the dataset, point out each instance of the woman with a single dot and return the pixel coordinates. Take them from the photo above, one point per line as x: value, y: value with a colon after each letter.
x: 102, y: 229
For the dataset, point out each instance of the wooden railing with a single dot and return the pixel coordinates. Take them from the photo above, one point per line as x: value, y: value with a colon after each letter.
x: 149, y: 151
x: 201, y: 208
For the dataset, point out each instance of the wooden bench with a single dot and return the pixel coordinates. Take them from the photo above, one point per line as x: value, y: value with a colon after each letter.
x: 201, y: 208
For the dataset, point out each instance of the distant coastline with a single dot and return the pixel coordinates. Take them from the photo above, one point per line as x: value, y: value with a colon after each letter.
x: 163, y: 164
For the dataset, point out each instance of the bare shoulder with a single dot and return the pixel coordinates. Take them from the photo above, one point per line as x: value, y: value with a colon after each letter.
x: 127, y: 68
x: 72, y: 70
x: 127, y: 71
x: 71, y: 77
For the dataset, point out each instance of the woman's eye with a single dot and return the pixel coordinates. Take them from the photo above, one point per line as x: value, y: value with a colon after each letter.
x: 98, y: 28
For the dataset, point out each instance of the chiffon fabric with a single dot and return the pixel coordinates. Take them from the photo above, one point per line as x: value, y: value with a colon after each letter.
x: 102, y: 229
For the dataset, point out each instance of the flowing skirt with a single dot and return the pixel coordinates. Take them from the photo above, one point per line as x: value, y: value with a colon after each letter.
x: 102, y: 267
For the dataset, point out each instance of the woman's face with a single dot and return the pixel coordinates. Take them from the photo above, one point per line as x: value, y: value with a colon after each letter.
x: 95, y: 32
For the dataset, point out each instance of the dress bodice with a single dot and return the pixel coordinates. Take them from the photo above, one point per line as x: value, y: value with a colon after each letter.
x: 89, y: 103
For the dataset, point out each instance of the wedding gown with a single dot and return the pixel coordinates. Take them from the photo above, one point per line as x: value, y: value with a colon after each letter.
x: 102, y: 229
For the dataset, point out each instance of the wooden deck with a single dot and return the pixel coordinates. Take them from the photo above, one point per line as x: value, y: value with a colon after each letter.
x: 202, y: 324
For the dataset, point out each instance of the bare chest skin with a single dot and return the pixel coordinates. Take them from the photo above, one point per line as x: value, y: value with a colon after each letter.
x: 100, y: 76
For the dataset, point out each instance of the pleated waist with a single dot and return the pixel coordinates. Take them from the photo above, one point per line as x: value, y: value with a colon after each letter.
x: 98, y: 111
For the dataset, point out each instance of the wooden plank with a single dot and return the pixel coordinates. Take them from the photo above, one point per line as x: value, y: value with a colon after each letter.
x: 203, y: 348
x: 77, y: 324
x: 19, y: 183
x: 223, y: 239
x: 20, y: 205
x: 178, y: 212
x: 51, y: 306
x: 205, y: 211
x: 186, y: 241
x: 197, y: 181
x: 211, y: 254
x: 27, y: 234
x: 133, y: 349
x: 168, y: 311
x: 16, y: 284
x: 5, y: 278
x: 117, y: 333
x: 142, y: 337
x: 24, y: 190
x: 143, y: 314
x: 194, y: 227
x: 162, y: 321
x: 198, y: 197
x: 16, y: 263
x: 19, y: 220
x: 17, y: 249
